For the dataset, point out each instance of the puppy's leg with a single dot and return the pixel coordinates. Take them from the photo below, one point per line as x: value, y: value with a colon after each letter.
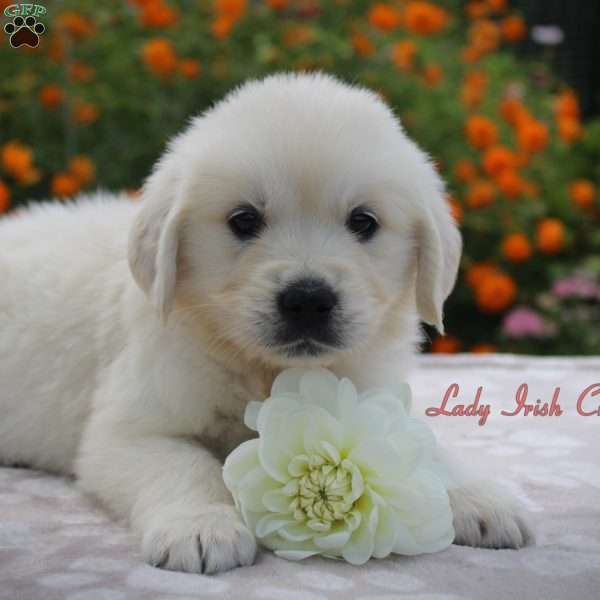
x: 485, y: 515
x: 172, y: 492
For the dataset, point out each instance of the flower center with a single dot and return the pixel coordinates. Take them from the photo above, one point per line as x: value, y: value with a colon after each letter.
x: 323, y: 493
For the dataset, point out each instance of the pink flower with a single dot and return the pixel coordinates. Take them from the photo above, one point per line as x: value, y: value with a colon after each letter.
x: 524, y: 322
x: 576, y: 286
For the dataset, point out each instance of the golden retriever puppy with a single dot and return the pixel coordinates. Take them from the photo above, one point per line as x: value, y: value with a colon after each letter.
x: 293, y: 224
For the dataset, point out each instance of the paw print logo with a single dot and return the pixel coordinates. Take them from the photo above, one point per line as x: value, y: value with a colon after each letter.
x: 24, y: 32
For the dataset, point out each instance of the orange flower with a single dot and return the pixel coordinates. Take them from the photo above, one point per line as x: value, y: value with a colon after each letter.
x: 477, y: 272
x: 403, y: 54
x: 51, y: 96
x: 569, y: 129
x: 567, y: 105
x: 432, y: 74
x: 470, y: 55
x: 480, y: 194
x: 532, y: 135
x: 82, y: 169
x: 484, y: 35
x: 550, y: 236
x: 513, y: 28
x: 64, y: 185
x: 471, y: 97
x: 156, y: 14
x: 516, y: 247
x: 483, y: 348
x: 424, y: 18
x: 85, y: 113
x: 221, y: 26
x: 160, y: 56
x: 4, y: 197
x: 189, y: 68
x: 465, y: 170
x: 384, y: 16
x: 496, y: 6
x: 473, y: 88
x: 512, y: 110
x: 495, y: 293
x: 16, y: 160
x: 296, y: 36
x: 231, y: 8
x: 228, y: 12
x: 582, y: 193
x: 455, y: 209
x: 446, y: 344
x: 510, y: 183
x: 497, y: 159
x: 78, y: 26
x: 476, y: 79
x: 476, y: 9
x: 362, y: 45
x: 79, y: 71
x: 481, y: 131
x: 277, y: 4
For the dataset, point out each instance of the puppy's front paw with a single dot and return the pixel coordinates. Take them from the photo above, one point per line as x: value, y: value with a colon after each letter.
x: 212, y: 540
x: 486, y: 517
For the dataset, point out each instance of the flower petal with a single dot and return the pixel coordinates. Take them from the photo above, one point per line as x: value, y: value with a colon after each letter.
x: 385, y: 535
x: 295, y: 532
x: 276, y: 501
x: 330, y: 453
x: 358, y: 484
x: 252, y: 488
x: 333, y: 541
x: 295, y: 554
x: 298, y: 466
x: 320, y: 386
x: 281, y: 437
x: 269, y: 524
x: 287, y: 381
x: 353, y: 520
x: 360, y: 547
x: 253, y: 409
x: 347, y: 399
x: 376, y: 458
x: 242, y: 460
x: 321, y: 427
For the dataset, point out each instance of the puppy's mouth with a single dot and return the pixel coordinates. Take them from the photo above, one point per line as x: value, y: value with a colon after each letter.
x: 305, y: 347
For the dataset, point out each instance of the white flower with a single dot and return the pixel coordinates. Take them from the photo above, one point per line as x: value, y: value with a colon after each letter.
x: 339, y: 474
x: 547, y: 35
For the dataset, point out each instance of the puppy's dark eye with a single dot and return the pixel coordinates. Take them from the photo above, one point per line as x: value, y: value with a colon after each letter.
x: 245, y: 222
x: 363, y: 223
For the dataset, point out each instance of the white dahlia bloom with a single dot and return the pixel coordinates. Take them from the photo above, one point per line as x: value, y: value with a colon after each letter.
x: 336, y: 473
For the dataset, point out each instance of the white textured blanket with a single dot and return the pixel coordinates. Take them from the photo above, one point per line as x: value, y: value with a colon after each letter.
x: 55, y: 544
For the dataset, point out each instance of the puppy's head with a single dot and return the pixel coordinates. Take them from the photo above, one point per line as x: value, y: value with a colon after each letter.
x: 293, y: 220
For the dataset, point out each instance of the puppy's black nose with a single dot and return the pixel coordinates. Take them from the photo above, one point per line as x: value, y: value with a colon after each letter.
x: 307, y: 303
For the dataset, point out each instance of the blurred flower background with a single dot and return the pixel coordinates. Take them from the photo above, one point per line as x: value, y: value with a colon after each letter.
x: 110, y: 82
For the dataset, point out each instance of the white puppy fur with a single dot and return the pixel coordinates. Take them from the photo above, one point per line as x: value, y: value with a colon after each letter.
x: 137, y: 384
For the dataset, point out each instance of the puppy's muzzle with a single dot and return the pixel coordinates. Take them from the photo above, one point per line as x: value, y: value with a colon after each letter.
x: 307, y: 308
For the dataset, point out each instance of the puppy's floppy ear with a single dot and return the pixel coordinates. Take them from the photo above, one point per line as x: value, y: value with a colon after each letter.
x: 438, y: 258
x: 154, y: 238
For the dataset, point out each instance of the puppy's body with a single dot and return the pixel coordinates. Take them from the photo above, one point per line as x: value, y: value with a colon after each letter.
x: 137, y: 385
x: 64, y: 279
